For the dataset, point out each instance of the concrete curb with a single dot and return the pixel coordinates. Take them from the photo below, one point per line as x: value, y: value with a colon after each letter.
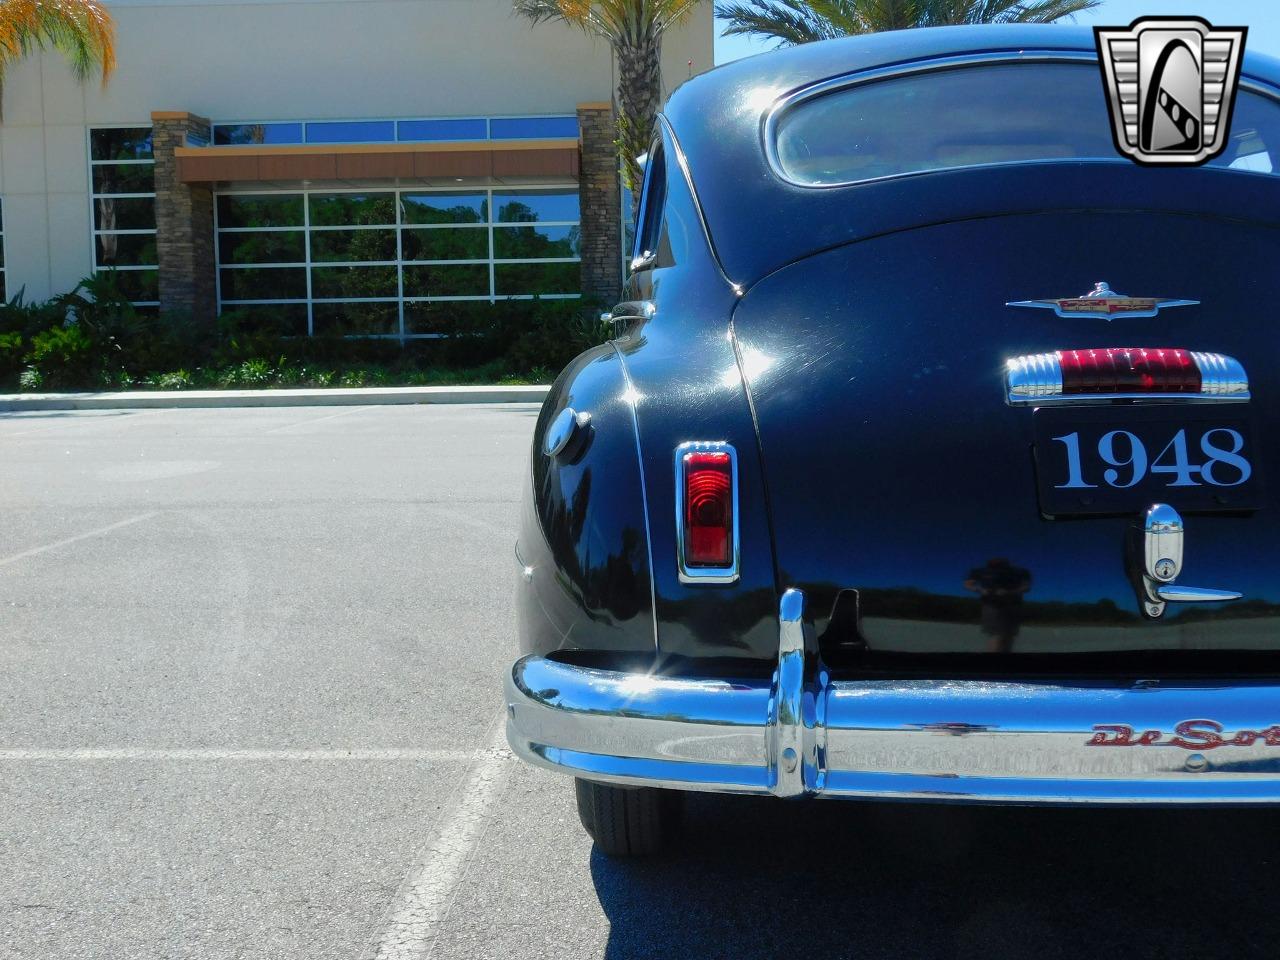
x: 337, y: 397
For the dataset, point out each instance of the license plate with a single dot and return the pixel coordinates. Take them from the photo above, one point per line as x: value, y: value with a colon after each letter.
x: 1121, y: 460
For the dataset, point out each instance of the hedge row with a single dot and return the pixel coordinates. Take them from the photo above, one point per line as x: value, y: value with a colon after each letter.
x: 92, y: 338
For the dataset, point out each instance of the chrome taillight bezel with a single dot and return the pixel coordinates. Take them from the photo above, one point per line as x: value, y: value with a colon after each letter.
x: 707, y: 575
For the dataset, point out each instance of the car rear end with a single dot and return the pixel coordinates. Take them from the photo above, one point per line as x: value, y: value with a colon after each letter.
x: 1016, y: 404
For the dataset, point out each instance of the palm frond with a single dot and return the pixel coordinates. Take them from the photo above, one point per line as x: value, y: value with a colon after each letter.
x: 81, y: 30
x: 790, y: 22
x: 803, y: 21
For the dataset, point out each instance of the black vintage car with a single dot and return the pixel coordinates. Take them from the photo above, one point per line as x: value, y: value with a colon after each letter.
x: 935, y: 457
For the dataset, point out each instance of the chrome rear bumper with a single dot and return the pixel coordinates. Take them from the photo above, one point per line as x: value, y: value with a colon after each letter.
x: 805, y: 734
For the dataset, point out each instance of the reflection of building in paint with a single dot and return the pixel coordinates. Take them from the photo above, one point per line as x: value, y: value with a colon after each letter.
x: 442, y: 167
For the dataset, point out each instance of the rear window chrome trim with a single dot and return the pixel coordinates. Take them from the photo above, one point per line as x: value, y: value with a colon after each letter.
x: 780, y: 107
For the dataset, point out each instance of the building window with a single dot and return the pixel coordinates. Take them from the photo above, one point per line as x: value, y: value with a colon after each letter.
x: 393, y: 131
x: 382, y: 262
x: 122, y: 184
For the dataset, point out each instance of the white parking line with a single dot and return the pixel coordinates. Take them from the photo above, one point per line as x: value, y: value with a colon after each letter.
x: 306, y: 423
x: 421, y: 903
x: 76, y: 539
x: 132, y: 753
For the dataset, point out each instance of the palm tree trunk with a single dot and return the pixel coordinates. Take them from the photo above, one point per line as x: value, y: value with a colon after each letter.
x: 639, y: 96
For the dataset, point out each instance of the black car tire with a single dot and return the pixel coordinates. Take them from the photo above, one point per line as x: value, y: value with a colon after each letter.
x: 627, y: 822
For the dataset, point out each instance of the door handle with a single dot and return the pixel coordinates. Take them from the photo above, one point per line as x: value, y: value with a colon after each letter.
x: 627, y: 313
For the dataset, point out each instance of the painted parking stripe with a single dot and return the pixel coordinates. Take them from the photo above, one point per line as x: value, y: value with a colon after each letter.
x: 132, y: 753
x: 421, y: 903
x: 298, y: 426
x: 76, y: 539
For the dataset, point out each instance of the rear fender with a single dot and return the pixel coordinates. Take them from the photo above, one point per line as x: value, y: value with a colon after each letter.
x: 583, y: 550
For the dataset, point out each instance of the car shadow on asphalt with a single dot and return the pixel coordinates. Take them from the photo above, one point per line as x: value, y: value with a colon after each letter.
x: 758, y: 877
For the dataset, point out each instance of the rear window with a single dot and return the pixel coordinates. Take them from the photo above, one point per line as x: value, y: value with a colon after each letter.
x: 971, y: 116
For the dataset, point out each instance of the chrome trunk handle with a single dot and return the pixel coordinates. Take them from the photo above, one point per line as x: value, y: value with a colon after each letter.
x: 1162, y: 544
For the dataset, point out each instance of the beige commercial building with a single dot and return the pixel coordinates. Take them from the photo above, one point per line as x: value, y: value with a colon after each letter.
x: 350, y: 166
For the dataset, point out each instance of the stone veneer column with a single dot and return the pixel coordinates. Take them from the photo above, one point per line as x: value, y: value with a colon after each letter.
x: 184, y: 221
x: 600, y: 195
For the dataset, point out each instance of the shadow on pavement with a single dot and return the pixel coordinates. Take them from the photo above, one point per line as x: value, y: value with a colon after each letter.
x: 757, y: 877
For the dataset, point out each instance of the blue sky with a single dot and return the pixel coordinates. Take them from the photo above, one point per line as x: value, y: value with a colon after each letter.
x: 1262, y: 17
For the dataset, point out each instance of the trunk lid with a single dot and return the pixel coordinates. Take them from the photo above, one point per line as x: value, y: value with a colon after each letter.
x: 903, y: 487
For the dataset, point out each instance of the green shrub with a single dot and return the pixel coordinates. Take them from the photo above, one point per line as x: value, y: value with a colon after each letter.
x: 12, y: 350
x: 177, y: 380
x: 28, y: 319
x: 65, y: 357
x: 93, y: 337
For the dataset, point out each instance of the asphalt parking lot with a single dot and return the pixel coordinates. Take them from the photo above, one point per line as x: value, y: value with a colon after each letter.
x: 250, y: 694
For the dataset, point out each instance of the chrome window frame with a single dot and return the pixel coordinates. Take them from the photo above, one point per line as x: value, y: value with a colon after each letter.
x: 780, y: 107
x: 730, y: 572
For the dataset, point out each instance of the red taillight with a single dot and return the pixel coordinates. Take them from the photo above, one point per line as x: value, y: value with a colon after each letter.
x: 708, y: 509
x: 1129, y: 370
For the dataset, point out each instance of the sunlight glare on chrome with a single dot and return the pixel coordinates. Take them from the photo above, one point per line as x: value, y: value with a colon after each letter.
x: 638, y: 685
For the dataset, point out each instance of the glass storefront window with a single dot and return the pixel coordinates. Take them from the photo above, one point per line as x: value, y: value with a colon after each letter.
x: 262, y: 246
x: 260, y: 210
x: 352, y: 131
x: 353, y: 246
x: 352, y: 209
x: 126, y: 249
x: 535, y: 206
x: 247, y: 134
x: 535, y: 243
x: 444, y: 207
x: 120, y: 143
x: 122, y: 178
x: 408, y: 130
x: 407, y: 263
x: 533, y: 128
x: 539, y: 279
x: 426, y: 130
x: 462, y: 243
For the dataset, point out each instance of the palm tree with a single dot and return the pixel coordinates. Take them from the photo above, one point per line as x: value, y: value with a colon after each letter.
x: 81, y: 30
x: 634, y: 29
x: 793, y: 22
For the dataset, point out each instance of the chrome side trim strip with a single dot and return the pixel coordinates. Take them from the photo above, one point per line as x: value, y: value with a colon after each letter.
x: 1089, y: 742
x: 632, y: 399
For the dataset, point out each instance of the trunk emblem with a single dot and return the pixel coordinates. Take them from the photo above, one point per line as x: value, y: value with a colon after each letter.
x: 1105, y: 303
